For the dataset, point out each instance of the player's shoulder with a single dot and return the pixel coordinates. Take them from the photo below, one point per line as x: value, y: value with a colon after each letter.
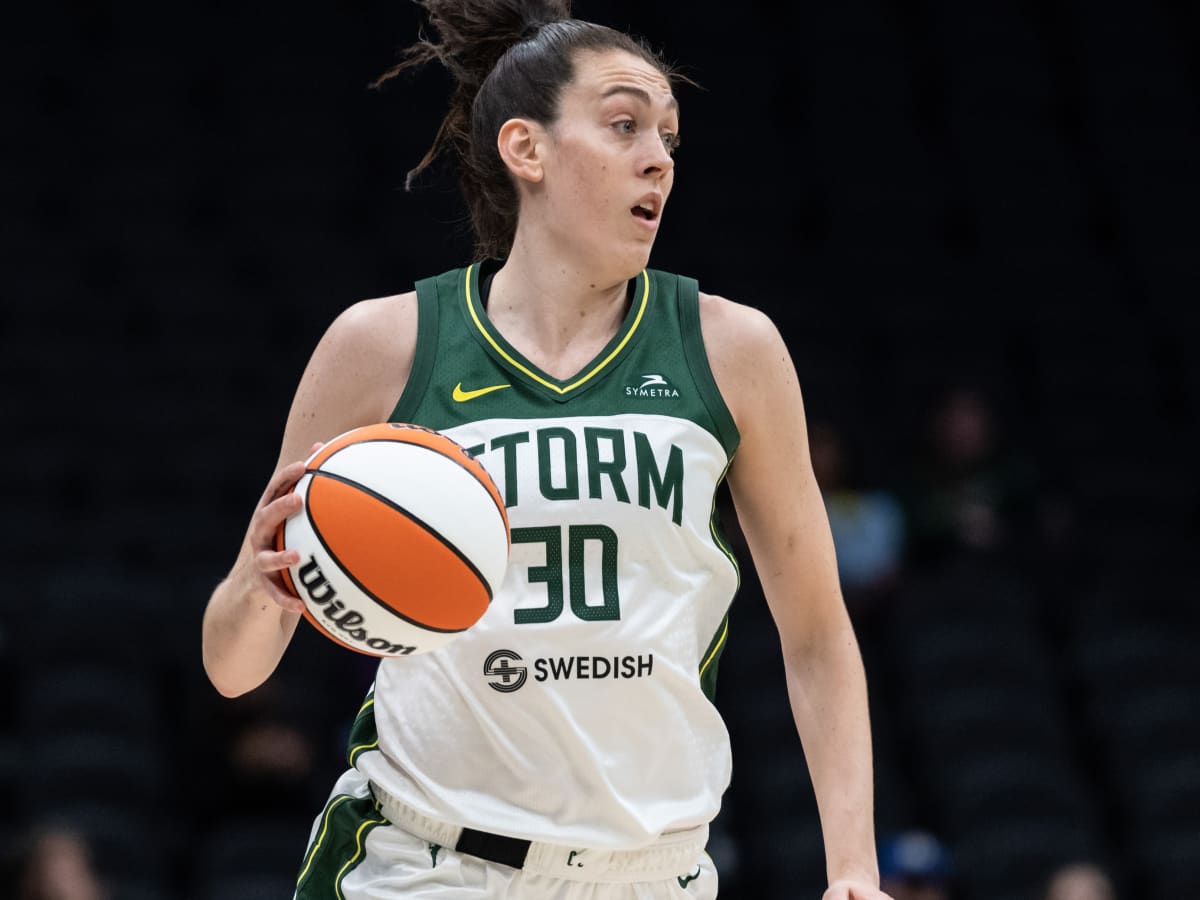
x: 746, y: 354
x: 377, y: 325
x: 385, y: 324
x: 368, y: 316
x: 368, y: 345
x: 362, y: 362
x: 735, y: 329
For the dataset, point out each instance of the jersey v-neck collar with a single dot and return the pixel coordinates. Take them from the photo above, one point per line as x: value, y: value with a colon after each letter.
x: 512, y: 359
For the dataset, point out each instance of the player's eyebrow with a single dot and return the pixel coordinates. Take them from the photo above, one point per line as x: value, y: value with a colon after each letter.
x: 638, y: 93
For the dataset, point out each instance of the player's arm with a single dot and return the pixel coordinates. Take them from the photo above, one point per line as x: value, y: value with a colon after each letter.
x: 355, y: 377
x: 783, y: 517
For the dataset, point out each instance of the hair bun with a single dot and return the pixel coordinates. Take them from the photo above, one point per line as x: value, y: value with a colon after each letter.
x: 531, y: 30
x: 472, y: 35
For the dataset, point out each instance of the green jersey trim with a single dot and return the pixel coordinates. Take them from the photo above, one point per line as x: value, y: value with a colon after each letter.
x: 425, y: 355
x: 712, y: 655
x: 697, y: 358
x: 714, y: 528
x: 708, y: 669
x: 340, y: 846
x: 364, y: 734
x: 513, y: 358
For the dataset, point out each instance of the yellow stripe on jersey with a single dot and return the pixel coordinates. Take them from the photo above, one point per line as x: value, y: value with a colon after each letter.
x: 312, y: 853
x: 352, y: 753
x: 717, y: 649
x: 361, y: 748
x: 534, y: 375
x: 359, y: 848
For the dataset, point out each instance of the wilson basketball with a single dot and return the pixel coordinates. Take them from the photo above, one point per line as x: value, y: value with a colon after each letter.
x: 403, y: 538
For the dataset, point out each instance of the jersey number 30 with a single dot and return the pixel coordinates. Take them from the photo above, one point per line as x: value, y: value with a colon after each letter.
x: 573, y: 577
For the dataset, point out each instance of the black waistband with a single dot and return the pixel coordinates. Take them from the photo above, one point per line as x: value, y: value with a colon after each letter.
x: 507, y: 851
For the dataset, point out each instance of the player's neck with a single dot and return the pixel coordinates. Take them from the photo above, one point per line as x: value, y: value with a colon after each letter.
x: 558, y: 313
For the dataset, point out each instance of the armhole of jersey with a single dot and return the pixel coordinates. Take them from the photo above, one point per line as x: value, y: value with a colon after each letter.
x: 693, y: 345
x: 422, y: 367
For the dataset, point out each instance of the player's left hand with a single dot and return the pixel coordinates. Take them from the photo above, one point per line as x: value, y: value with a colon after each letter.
x: 854, y: 890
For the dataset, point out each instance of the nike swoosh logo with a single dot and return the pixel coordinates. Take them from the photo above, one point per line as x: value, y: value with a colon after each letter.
x: 463, y: 396
x: 684, y: 881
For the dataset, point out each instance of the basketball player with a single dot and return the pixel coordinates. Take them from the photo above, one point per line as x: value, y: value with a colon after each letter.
x: 567, y: 745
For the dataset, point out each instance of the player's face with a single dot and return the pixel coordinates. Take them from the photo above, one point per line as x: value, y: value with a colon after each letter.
x: 610, y: 169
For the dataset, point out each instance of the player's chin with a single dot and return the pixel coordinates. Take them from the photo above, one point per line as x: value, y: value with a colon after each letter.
x: 636, y: 253
x: 625, y: 254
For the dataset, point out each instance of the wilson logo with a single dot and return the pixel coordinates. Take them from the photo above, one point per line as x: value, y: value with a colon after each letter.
x: 339, y: 620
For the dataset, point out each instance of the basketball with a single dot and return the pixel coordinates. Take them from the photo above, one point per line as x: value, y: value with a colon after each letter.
x: 403, y: 539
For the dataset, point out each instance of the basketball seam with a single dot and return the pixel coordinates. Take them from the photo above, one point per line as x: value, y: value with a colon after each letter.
x: 458, y: 462
x: 404, y: 512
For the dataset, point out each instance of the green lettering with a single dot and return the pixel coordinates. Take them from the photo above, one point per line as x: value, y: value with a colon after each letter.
x: 508, y: 444
x: 570, y: 458
x: 666, y: 485
x: 612, y: 468
x: 551, y: 574
x: 577, y: 536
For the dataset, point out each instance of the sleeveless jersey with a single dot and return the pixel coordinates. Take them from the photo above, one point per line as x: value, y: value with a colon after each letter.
x: 579, y: 709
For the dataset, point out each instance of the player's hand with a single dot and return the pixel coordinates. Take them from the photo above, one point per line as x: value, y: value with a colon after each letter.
x: 276, y: 505
x: 854, y: 890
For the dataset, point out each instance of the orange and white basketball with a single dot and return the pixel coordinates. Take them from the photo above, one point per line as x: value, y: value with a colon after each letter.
x: 403, y: 538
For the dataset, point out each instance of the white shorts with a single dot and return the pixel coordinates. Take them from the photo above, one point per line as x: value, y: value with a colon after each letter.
x: 357, y: 853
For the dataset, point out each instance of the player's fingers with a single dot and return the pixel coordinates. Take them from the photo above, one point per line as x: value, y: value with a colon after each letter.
x: 282, y: 482
x: 867, y: 894
x: 282, y: 508
x: 276, y: 560
x: 287, y: 601
x: 268, y: 518
x: 269, y: 563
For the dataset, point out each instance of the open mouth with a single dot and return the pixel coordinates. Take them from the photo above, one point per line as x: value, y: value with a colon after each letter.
x: 644, y: 211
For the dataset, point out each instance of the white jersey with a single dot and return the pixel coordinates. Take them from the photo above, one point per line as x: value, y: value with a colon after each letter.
x: 579, y: 709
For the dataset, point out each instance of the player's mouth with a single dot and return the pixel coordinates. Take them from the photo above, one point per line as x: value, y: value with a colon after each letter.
x: 648, y: 209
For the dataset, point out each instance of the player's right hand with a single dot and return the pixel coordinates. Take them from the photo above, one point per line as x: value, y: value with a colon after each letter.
x: 277, y: 504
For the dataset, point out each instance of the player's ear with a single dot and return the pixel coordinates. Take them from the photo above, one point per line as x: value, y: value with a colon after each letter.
x: 521, y: 144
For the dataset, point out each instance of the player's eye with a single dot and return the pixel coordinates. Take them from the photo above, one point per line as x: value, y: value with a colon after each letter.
x: 670, y: 141
x: 626, y: 126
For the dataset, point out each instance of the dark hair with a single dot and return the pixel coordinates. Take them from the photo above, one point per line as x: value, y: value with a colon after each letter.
x: 510, y: 59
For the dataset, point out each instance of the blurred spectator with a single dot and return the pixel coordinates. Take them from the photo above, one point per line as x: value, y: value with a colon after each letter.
x: 972, y: 494
x: 1080, y: 881
x: 914, y: 865
x: 58, y: 866
x: 867, y: 525
x: 272, y: 752
x: 259, y: 754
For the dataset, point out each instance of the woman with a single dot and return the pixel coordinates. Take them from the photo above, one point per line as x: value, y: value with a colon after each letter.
x: 567, y: 746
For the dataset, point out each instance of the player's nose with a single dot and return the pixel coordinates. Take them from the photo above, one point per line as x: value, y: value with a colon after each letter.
x: 658, y: 160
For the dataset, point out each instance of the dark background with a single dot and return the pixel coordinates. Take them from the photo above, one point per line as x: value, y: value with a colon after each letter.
x: 994, y: 198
